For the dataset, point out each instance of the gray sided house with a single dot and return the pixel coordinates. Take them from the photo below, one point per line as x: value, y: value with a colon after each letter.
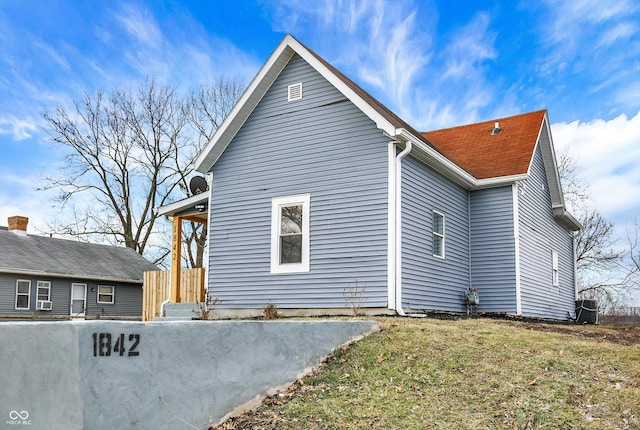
x: 55, y: 277
x: 319, y: 190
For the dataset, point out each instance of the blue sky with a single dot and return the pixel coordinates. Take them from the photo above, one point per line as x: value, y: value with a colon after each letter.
x: 435, y: 63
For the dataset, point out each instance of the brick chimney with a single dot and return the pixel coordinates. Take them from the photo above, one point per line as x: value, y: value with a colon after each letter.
x: 18, y: 225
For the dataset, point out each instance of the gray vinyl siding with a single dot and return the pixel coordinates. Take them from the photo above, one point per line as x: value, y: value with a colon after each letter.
x: 128, y: 297
x: 540, y: 234
x: 428, y: 281
x: 493, y: 253
x: 127, y: 300
x: 322, y: 145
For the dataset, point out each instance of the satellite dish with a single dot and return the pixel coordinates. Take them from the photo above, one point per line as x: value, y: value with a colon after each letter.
x: 198, y: 184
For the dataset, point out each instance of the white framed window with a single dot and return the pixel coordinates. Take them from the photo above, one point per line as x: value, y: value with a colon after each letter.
x: 106, y: 294
x: 555, y: 274
x: 290, y: 234
x: 438, y: 234
x: 294, y: 92
x: 23, y: 294
x: 43, y: 291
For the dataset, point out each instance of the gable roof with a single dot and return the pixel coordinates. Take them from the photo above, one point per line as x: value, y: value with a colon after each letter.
x: 447, y: 156
x: 485, y: 154
x: 46, y: 256
x: 385, y: 119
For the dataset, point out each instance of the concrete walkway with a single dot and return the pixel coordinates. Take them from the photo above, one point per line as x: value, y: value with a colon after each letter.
x: 161, y: 375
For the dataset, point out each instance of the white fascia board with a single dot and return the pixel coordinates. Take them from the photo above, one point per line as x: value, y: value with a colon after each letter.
x: 550, y: 164
x: 258, y: 87
x: 566, y: 218
x: 498, y: 181
x: 172, y: 208
x: 43, y: 273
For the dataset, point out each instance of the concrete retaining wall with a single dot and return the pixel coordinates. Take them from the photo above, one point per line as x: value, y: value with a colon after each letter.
x: 128, y: 375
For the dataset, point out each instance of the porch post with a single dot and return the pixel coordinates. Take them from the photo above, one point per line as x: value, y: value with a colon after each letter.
x: 176, y: 258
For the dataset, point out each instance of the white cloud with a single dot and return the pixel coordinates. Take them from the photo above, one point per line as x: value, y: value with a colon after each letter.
x: 566, y: 21
x: 19, y: 195
x: 190, y: 56
x: 18, y: 128
x: 140, y: 24
x: 618, y: 34
x: 471, y: 45
x: 377, y: 43
x: 609, y: 155
x: 53, y: 54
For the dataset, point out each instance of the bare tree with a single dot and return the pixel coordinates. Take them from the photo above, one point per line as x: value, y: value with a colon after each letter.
x: 128, y: 152
x: 207, y: 107
x: 595, y: 244
x: 210, y: 104
x: 602, y: 264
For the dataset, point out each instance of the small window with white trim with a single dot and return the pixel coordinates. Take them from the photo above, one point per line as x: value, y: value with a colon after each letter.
x: 438, y: 234
x: 23, y: 294
x: 106, y: 294
x: 44, y: 291
x: 555, y: 273
x: 290, y: 234
x: 294, y: 92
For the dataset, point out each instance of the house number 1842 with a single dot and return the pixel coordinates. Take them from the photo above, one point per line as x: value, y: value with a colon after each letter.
x: 105, y: 343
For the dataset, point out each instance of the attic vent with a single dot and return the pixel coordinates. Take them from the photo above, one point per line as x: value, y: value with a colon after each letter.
x: 496, y: 129
x: 295, y: 92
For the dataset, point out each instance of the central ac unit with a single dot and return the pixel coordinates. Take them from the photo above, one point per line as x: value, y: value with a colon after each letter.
x: 44, y: 305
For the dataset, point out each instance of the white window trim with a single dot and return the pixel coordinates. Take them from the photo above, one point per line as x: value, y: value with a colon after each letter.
x: 113, y: 295
x: 276, y: 204
x: 443, y: 235
x: 555, y: 272
x: 22, y: 294
x: 43, y: 284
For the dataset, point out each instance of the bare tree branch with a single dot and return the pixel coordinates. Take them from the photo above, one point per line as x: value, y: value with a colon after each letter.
x: 602, y: 265
x: 129, y: 152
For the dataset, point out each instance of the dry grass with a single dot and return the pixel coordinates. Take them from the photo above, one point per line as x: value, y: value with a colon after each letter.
x: 467, y: 374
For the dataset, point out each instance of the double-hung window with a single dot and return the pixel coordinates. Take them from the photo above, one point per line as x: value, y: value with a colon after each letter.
x: 23, y: 294
x: 290, y: 234
x: 44, y: 291
x: 106, y: 294
x: 555, y: 274
x: 438, y: 234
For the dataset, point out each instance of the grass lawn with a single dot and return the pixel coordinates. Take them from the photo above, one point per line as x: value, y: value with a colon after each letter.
x: 467, y: 374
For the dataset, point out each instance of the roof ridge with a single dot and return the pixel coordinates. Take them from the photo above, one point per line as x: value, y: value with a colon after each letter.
x: 487, y: 121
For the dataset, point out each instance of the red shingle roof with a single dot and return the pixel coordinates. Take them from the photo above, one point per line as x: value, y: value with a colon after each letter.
x: 485, y: 155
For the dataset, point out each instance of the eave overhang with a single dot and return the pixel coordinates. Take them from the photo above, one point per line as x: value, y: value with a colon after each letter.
x: 31, y: 272
x: 193, y: 205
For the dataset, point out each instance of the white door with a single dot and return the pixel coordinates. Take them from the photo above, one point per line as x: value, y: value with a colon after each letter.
x: 78, y: 299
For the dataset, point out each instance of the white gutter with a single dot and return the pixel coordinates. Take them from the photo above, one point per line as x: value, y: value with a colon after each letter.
x: 398, y: 227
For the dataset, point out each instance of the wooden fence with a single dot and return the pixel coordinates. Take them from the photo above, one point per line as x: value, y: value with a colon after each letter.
x: 157, y: 285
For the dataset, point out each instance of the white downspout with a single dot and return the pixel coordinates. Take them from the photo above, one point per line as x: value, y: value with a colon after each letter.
x: 398, y: 227
x: 516, y: 238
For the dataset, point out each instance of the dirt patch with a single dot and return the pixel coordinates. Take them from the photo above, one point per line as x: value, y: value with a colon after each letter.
x: 623, y: 335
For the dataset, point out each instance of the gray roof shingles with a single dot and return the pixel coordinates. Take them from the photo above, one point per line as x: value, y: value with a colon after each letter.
x: 52, y: 256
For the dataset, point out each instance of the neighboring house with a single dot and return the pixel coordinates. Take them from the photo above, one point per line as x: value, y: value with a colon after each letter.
x: 49, y: 276
x: 319, y: 191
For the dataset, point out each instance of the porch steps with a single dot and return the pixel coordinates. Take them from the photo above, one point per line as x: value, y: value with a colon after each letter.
x: 179, y: 312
